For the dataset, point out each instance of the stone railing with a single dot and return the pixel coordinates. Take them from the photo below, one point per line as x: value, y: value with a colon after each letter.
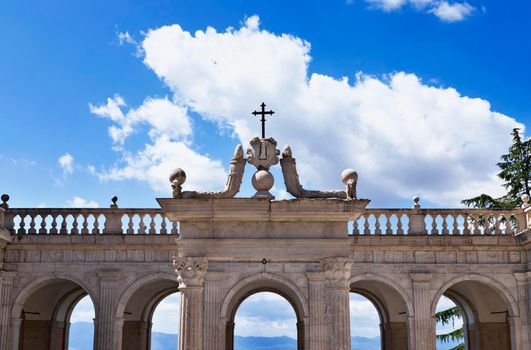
x: 438, y: 222
x: 48, y: 221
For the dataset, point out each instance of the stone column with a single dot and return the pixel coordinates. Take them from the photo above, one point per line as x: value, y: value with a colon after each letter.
x: 317, y: 323
x: 213, y: 326
x: 423, y: 323
x: 521, y: 326
x: 191, y: 271
x: 6, y: 286
x: 106, y: 311
x: 337, y: 273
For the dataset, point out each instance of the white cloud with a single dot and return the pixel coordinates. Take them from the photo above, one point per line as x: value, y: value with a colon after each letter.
x: 78, y: 202
x: 364, y: 319
x: 66, y: 161
x: 401, y: 134
x: 166, y: 317
x: 125, y: 37
x: 452, y: 12
x: 444, y: 10
x: 83, y: 311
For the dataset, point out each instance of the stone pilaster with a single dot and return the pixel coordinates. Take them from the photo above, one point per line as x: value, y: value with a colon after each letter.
x: 191, y: 271
x: 522, y: 325
x: 337, y: 272
x: 212, y: 325
x: 423, y: 322
x: 106, y: 311
x: 317, y: 323
x: 6, y: 286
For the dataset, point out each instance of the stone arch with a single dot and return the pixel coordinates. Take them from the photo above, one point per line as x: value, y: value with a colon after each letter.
x: 136, y: 306
x: 261, y: 283
x: 49, y: 301
x: 488, y: 309
x: 393, y: 304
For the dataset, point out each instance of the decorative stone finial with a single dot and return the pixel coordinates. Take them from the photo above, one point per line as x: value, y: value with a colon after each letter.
x: 350, y: 179
x: 177, y: 178
x: 114, y: 200
x: 5, y: 199
x: 263, y: 154
x: 416, y: 202
x: 525, y: 200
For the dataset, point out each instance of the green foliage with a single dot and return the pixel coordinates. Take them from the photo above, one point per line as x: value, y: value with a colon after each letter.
x: 445, y: 317
x: 515, y: 172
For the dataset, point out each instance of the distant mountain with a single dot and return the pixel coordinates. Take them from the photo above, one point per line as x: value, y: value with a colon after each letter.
x: 82, y: 334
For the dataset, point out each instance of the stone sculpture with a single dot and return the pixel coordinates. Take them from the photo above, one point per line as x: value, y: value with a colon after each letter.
x: 293, y: 185
x: 350, y: 179
x: 232, y: 187
x: 263, y: 154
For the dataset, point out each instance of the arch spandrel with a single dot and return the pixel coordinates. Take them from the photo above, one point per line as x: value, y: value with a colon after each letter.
x: 265, y: 281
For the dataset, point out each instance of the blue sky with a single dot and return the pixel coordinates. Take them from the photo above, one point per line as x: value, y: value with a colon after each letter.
x: 465, y: 63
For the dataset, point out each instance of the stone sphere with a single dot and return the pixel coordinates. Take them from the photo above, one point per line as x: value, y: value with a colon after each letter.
x: 263, y: 180
x: 348, y: 174
x: 178, y: 175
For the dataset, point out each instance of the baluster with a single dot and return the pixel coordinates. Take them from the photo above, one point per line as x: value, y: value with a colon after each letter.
x: 476, y: 219
x: 455, y: 230
x: 152, y: 230
x: 141, y: 225
x: 163, y: 230
x: 434, y: 230
x: 466, y: 227
x: 174, y: 230
x: 63, y: 230
x: 53, y: 229
x: 32, y: 229
x: 377, y: 229
x: 388, y: 228
x: 497, y: 223
x: 130, y: 229
x: 21, y: 228
x: 74, y: 230
x: 366, y: 229
x: 42, y: 230
x: 355, y: 228
x: 508, y: 228
x: 399, y: 226
x: 96, y: 227
x: 445, y: 230
x: 84, y: 229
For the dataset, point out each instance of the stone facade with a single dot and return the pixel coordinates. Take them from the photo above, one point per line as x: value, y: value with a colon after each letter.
x: 217, y: 252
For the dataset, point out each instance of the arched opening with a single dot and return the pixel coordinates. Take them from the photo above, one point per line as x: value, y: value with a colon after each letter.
x: 485, y: 313
x: 265, y: 318
x: 365, y: 323
x: 166, y: 321
x: 391, y: 307
x: 138, y: 306
x: 450, y: 333
x: 81, y: 330
x: 46, y: 315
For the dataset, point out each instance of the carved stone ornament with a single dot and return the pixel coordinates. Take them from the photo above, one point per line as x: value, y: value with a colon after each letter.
x: 191, y: 270
x: 232, y: 187
x: 293, y: 185
x: 263, y: 153
x: 336, y: 270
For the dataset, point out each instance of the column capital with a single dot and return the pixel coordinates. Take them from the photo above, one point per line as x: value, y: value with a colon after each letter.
x: 191, y: 270
x: 336, y: 270
x: 109, y: 276
x: 316, y: 276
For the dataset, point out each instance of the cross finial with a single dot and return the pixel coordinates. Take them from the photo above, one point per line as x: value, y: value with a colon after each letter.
x: 263, y: 113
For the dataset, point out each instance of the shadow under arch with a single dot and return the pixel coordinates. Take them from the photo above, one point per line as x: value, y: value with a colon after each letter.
x: 42, y: 309
x: 488, y: 311
x: 264, y: 282
x: 393, y: 304
x: 136, y: 306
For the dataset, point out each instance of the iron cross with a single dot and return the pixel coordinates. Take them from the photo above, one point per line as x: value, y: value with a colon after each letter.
x: 263, y: 113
